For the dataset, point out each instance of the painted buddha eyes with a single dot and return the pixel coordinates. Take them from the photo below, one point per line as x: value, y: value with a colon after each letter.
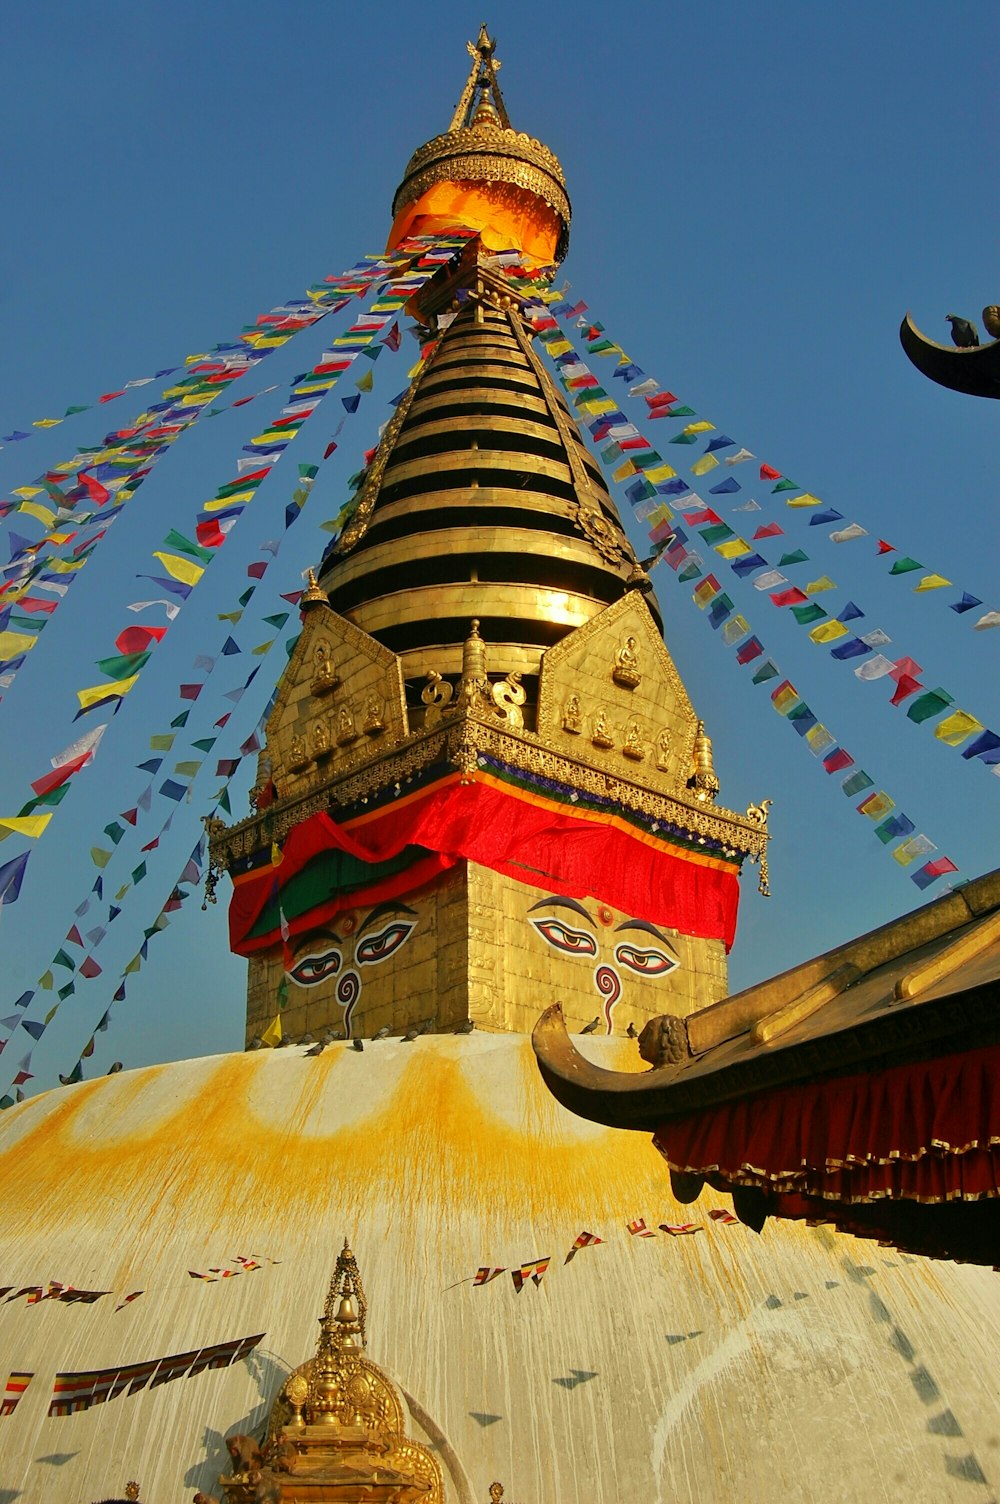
x: 576, y: 942
x: 648, y: 963
x: 308, y: 971
x: 380, y: 946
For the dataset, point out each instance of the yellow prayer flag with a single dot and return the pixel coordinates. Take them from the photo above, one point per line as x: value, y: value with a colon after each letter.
x: 954, y: 729
x: 46, y: 423
x: 364, y: 383
x: 816, y: 587
x: 198, y: 399
x: 12, y: 643
x: 415, y: 370
x: 25, y: 825
x: 64, y: 566
x: 559, y: 347
x: 272, y: 341
x: 659, y: 473
x: 189, y: 360
x: 805, y: 500
x: 662, y: 513
x: 27, y: 492
x: 272, y: 1034
x: 35, y: 509
x: 828, y: 631
x: 733, y: 548
x: 59, y: 537
x: 184, y: 570
x: 117, y: 687
x: 702, y: 426
x: 702, y: 466
x: 595, y: 409
x: 931, y: 582
x: 238, y: 498
x: 876, y: 806
x: 624, y: 471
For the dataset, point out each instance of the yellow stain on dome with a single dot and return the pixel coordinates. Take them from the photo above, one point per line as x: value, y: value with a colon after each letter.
x: 256, y: 1121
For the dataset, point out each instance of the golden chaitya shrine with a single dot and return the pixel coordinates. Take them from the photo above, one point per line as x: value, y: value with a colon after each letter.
x: 483, y: 790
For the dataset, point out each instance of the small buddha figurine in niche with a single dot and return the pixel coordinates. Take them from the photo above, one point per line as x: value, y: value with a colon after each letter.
x: 346, y: 729
x: 298, y: 752
x: 664, y: 743
x: 572, y: 718
x: 325, y: 677
x: 632, y: 745
x: 626, y: 669
x: 374, y: 721
x: 321, y: 741
x: 602, y: 731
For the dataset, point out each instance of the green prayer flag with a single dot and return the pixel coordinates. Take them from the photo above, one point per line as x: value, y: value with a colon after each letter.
x: 309, y: 472
x: 62, y: 959
x: 856, y: 783
x: 244, y: 599
x: 766, y: 671
x: 181, y: 720
x: 123, y: 665
x: 808, y: 613
x: 139, y: 873
x: 161, y: 742
x: 205, y: 743
x: 224, y: 801
x: 65, y: 992
x: 114, y: 832
x: 905, y: 566
x: 785, y: 485
x: 797, y: 557
x: 99, y: 857
x: 684, y: 438
x: 71, y: 410
x: 282, y: 991
x: 717, y: 533
x: 177, y: 540
x: 278, y: 619
x: 931, y: 703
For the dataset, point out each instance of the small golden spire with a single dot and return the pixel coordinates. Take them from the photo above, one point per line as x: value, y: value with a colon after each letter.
x: 703, y: 780
x: 482, y: 78
x: 314, y: 594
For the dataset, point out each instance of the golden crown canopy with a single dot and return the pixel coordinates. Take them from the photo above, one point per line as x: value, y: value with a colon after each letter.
x: 484, y: 175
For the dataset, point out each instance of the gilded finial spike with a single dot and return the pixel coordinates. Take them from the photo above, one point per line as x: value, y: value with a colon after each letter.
x: 314, y: 594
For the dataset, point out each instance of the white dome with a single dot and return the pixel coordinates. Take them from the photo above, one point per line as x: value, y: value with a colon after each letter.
x: 798, y: 1365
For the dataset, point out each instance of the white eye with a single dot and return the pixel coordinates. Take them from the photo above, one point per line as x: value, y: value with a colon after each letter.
x: 577, y: 942
x: 380, y: 946
x: 648, y: 963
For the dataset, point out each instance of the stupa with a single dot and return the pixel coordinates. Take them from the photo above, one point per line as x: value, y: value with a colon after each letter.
x: 484, y: 789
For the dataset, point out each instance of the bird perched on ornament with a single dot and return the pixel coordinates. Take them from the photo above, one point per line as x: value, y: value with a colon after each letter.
x: 963, y: 333
x: 589, y: 1028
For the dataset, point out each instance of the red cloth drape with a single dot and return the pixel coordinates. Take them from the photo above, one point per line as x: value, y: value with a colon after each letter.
x: 577, y: 853
x: 927, y: 1132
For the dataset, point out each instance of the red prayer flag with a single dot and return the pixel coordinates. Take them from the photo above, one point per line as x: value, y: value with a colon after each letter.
x: 210, y: 534
x: 836, y: 760
x: 767, y: 473
x: 906, y: 685
x: 59, y: 776
x: 793, y: 597
x: 256, y: 571
x: 886, y: 548
x: 93, y: 488
x: 772, y: 530
x: 110, y: 396
x: 660, y: 399
x: 89, y: 968
x: 137, y: 639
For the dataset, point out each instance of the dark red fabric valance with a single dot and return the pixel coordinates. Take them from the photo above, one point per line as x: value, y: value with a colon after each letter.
x: 927, y: 1132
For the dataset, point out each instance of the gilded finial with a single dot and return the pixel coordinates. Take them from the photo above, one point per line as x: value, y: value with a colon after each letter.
x: 703, y: 780
x: 314, y: 594
x: 132, y: 1490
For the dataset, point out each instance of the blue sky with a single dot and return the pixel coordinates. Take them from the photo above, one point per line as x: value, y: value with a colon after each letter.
x: 759, y: 194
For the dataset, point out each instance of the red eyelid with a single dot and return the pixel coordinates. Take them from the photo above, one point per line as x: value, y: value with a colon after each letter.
x: 561, y: 936
x: 635, y: 958
x: 395, y: 934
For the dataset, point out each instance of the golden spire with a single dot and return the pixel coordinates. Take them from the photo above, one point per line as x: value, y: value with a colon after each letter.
x: 484, y: 175
x: 314, y: 594
x: 482, y: 79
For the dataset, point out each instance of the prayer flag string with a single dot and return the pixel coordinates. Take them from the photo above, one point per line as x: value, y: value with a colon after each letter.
x: 608, y: 423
